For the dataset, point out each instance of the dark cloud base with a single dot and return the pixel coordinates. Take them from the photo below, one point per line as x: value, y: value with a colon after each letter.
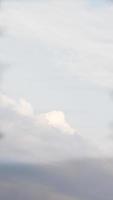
x: 89, y: 179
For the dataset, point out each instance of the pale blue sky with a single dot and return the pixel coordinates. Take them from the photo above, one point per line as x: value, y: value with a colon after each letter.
x: 63, y: 64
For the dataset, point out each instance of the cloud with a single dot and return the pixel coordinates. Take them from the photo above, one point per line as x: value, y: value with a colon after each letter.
x: 82, y: 39
x: 85, y: 32
x: 71, y: 180
x: 2, y: 69
x: 39, y: 137
x: 24, y: 108
x: 56, y: 119
x: 1, y: 135
x: 6, y: 101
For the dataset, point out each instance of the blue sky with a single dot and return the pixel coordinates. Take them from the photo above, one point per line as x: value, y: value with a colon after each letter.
x: 60, y: 76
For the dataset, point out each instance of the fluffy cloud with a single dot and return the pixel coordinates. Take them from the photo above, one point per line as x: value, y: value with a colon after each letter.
x: 55, y: 119
x: 39, y: 138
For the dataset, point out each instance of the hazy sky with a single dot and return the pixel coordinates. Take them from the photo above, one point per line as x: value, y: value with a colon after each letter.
x: 55, y: 100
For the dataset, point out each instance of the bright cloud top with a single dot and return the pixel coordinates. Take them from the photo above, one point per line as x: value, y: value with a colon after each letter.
x: 55, y: 119
x: 46, y: 137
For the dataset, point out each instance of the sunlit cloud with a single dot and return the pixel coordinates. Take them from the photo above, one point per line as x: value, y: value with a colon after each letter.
x: 39, y: 137
x: 55, y: 119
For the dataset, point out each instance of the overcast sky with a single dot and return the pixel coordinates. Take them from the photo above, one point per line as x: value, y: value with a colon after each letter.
x: 55, y: 98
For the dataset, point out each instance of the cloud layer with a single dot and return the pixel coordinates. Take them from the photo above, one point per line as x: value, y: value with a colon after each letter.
x: 80, y: 38
x: 39, y: 137
x: 83, y: 31
x: 72, y: 180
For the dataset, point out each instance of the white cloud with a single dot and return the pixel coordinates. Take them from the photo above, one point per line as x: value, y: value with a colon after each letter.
x: 6, y: 101
x: 27, y: 142
x: 69, y: 25
x: 39, y: 137
x: 56, y: 119
x: 24, y: 108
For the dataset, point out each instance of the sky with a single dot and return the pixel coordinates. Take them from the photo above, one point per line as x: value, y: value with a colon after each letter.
x: 57, y: 80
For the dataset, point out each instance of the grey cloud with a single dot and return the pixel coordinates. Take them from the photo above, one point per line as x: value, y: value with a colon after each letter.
x: 90, y: 179
x: 1, y: 135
